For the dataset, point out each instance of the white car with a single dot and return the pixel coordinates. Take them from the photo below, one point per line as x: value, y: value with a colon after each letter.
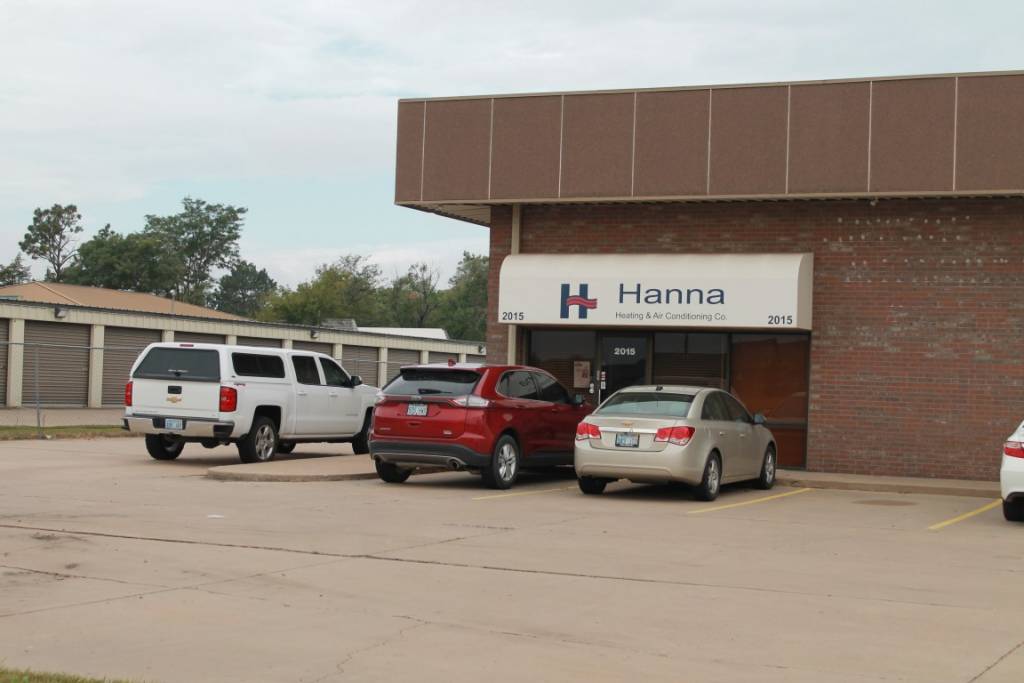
x: 264, y: 400
x: 1011, y: 476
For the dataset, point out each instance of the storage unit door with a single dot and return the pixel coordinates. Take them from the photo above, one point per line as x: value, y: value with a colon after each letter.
x: 319, y: 347
x: 259, y: 341
x: 442, y: 357
x: 62, y: 350
x: 5, y: 326
x: 399, y: 357
x: 198, y: 338
x: 362, y: 361
x: 473, y: 358
x: 121, y: 346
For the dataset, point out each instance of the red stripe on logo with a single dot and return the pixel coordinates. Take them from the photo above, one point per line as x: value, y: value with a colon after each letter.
x: 581, y: 301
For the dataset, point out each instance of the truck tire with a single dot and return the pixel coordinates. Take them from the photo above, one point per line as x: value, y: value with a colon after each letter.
x: 162, y: 447
x: 260, y: 444
x: 361, y: 441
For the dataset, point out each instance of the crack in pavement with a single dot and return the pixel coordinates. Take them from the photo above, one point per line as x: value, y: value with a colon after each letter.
x: 997, y: 662
x: 496, y: 568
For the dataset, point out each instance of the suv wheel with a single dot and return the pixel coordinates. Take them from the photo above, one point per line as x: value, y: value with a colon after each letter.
x: 767, y: 478
x: 711, y: 482
x: 592, y: 485
x: 260, y: 444
x: 285, y: 447
x: 162, y: 447
x: 504, y: 467
x: 1013, y: 510
x: 361, y: 442
x: 391, y: 473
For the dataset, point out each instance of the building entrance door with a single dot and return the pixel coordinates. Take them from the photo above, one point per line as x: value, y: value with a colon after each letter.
x: 623, y: 361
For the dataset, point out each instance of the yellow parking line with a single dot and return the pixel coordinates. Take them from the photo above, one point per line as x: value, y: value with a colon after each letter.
x: 523, y: 493
x: 967, y: 515
x: 763, y: 499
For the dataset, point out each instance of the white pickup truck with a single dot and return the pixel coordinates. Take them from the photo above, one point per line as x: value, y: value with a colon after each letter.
x: 264, y: 400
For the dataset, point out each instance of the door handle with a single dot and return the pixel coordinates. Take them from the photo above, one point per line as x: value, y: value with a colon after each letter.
x: 334, y: 394
x: 301, y: 393
x: 721, y: 433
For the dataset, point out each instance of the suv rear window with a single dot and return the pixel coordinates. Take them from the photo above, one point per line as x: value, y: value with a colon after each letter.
x: 257, y: 365
x: 195, y: 365
x: 654, y: 403
x: 428, y: 381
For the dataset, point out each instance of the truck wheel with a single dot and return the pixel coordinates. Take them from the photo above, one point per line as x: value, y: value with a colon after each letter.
x: 162, y: 447
x: 1013, y: 510
x: 391, y: 473
x: 260, y: 444
x: 361, y: 442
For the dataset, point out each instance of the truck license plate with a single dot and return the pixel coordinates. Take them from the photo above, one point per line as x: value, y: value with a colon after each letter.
x: 416, y: 410
x: 171, y: 423
x: 627, y: 440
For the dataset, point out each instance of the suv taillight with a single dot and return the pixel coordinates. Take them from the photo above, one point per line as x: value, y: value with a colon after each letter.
x: 471, y: 401
x: 128, y: 395
x: 228, y: 399
x: 680, y: 436
x: 1014, y: 449
x: 587, y: 430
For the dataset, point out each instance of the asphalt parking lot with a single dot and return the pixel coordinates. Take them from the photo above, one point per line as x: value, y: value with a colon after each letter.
x: 115, y: 565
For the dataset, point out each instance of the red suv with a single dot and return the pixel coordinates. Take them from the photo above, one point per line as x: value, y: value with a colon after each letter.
x: 490, y: 419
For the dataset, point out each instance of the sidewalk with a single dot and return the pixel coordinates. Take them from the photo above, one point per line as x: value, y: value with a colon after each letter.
x: 60, y: 417
x: 347, y: 467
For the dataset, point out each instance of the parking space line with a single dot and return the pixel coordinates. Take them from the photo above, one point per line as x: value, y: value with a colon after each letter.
x: 967, y: 515
x: 763, y: 499
x: 523, y: 493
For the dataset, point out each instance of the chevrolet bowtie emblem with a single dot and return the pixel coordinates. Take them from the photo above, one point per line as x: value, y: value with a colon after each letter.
x: 174, y: 399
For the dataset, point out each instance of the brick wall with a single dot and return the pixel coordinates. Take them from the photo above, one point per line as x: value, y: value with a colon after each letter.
x: 917, y: 352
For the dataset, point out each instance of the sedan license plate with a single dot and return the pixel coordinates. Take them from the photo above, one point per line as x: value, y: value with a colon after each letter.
x: 171, y: 423
x: 627, y: 440
x: 416, y: 410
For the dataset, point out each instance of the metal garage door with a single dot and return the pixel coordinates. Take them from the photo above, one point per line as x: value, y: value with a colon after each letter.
x: 63, y: 368
x: 198, y: 338
x: 362, y: 361
x: 259, y: 341
x: 121, y: 346
x: 441, y: 357
x: 473, y: 358
x: 399, y: 357
x: 5, y: 326
x: 319, y: 347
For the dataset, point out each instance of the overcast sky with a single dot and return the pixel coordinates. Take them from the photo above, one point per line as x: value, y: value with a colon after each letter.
x: 288, y: 107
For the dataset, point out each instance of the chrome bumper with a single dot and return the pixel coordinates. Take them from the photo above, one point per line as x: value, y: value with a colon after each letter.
x: 199, y: 428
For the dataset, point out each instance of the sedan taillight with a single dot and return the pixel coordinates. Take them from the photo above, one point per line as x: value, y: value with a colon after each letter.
x: 587, y: 430
x: 128, y: 395
x: 228, y: 399
x: 1014, y: 449
x: 680, y: 436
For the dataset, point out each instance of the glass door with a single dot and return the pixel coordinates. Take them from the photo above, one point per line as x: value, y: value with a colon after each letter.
x: 623, y: 362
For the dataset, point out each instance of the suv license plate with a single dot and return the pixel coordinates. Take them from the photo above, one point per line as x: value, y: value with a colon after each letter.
x: 627, y: 440
x: 170, y: 423
x: 416, y: 410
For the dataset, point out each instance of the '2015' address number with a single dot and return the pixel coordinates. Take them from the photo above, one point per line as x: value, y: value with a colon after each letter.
x: 780, y: 320
x: 512, y: 316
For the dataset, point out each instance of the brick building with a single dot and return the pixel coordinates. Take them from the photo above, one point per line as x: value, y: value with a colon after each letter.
x: 865, y: 239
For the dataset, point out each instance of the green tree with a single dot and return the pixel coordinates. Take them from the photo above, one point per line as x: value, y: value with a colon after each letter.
x: 205, y: 237
x: 347, y: 288
x: 51, y: 238
x: 139, y: 262
x: 244, y: 291
x: 413, y: 298
x: 16, y: 272
x: 463, y: 308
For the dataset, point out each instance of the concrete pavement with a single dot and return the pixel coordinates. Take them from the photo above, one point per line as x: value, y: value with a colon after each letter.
x: 112, y: 564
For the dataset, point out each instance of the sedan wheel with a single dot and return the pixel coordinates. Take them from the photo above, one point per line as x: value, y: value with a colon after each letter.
x: 766, y: 480
x: 712, y: 480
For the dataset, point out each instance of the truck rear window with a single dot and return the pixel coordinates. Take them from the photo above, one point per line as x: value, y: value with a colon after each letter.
x: 427, y: 381
x: 196, y: 365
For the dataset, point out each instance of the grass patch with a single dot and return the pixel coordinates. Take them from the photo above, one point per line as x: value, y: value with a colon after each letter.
x: 25, y: 676
x: 76, y: 432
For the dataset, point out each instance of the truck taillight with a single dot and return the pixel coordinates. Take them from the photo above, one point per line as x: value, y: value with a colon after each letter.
x: 680, y: 436
x: 128, y: 395
x: 228, y: 399
x: 587, y: 430
x: 1014, y: 449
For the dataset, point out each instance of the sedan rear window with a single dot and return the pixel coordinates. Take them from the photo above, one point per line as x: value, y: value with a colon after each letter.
x: 196, y: 365
x: 427, y: 381
x: 653, y: 403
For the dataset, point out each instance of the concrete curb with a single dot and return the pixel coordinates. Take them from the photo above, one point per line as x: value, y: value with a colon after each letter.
x: 224, y: 473
x: 940, y: 488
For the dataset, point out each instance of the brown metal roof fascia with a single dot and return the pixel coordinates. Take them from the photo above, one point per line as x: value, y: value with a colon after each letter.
x: 721, y: 86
